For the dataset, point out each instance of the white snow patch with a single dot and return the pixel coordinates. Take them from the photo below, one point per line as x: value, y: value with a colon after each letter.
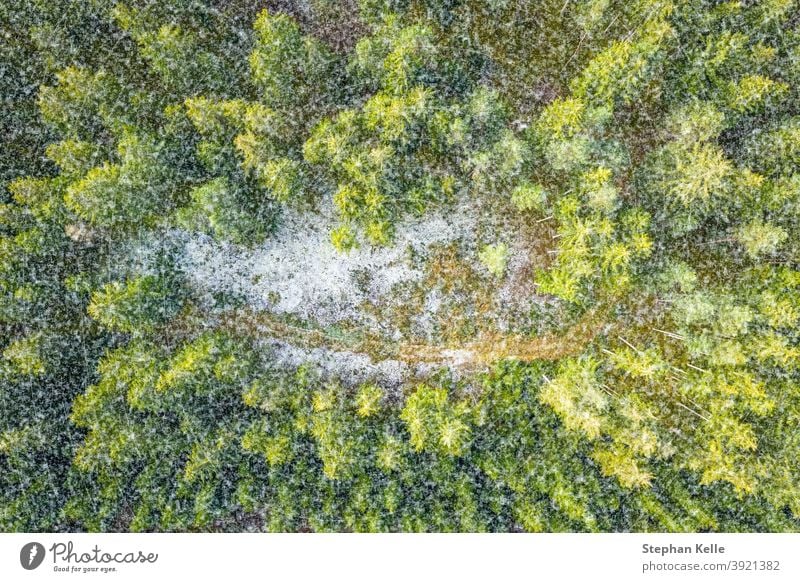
x: 353, y: 368
x: 298, y: 270
x: 425, y: 321
x: 457, y: 357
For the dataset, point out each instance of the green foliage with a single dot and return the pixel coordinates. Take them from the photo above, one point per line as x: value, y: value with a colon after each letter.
x: 433, y: 423
x: 759, y: 238
x: 221, y: 210
x: 494, y: 258
x: 529, y: 197
x: 137, y: 305
x: 291, y: 71
x: 647, y: 152
x: 576, y: 396
x: 378, y: 157
x: 312, y: 452
x: 130, y: 194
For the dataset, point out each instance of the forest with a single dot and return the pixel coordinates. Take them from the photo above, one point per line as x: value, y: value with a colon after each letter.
x: 400, y: 266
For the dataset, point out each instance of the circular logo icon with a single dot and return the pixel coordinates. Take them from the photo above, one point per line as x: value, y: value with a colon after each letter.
x: 31, y: 555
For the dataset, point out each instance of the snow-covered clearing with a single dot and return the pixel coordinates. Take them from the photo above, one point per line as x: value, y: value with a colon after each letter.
x: 298, y: 271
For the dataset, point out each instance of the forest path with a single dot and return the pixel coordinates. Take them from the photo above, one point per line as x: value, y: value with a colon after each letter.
x: 474, y: 354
